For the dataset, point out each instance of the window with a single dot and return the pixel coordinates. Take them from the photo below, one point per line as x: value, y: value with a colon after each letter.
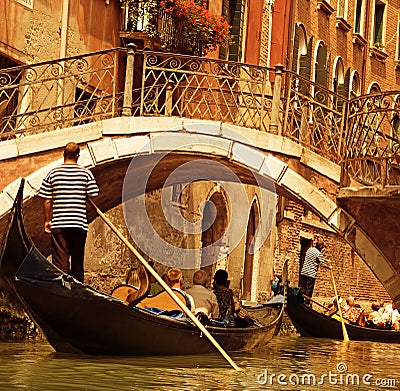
x: 355, y: 85
x: 372, y: 121
x: 342, y: 9
x: 338, y: 84
x: 379, y: 24
x: 321, y: 65
x: 338, y: 75
x: 234, y: 12
x: 359, y: 17
x: 9, y: 95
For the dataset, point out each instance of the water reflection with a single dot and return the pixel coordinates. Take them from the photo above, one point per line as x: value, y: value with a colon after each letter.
x: 29, y: 366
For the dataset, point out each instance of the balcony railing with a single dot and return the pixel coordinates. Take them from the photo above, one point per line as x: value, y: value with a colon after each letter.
x: 363, y: 134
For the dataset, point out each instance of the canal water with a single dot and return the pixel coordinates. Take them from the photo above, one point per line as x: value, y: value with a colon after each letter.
x: 288, y: 363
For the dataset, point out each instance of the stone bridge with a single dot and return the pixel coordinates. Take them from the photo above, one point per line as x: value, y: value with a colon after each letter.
x: 313, y: 148
x: 262, y: 159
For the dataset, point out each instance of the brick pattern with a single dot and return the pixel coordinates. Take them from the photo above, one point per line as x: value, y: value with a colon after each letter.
x: 356, y: 56
x: 352, y: 275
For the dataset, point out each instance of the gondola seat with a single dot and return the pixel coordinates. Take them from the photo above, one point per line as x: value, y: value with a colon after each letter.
x: 123, y: 291
x: 162, y: 300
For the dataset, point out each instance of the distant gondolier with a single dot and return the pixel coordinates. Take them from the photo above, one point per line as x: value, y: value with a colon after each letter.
x: 309, y: 270
x: 65, y: 190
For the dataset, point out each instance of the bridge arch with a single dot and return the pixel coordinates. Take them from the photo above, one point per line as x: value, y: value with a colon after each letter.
x: 253, y: 159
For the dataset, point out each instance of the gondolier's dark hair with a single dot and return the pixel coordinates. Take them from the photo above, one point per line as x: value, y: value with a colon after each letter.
x: 71, y: 150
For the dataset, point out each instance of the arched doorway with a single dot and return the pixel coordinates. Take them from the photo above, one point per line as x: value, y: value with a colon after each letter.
x: 247, y: 280
x: 214, y: 225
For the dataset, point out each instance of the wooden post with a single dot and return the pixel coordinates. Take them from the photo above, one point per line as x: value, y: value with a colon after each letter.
x: 130, y: 62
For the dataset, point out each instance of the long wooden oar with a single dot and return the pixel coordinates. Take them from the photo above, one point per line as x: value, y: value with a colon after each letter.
x: 165, y: 286
x: 345, y: 335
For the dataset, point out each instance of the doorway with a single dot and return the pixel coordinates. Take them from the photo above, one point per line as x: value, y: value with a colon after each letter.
x: 305, y: 244
x: 247, y: 280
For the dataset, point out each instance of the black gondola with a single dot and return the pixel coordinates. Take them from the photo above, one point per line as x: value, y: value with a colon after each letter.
x: 75, y: 318
x: 311, y: 323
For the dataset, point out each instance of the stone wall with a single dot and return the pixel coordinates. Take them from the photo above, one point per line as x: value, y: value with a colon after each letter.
x: 108, y: 259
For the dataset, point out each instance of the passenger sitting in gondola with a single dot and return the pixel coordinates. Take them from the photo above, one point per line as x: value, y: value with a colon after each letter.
x: 332, y: 307
x: 226, y: 304
x: 391, y: 317
x: 230, y: 312
x: 375, y: 319
x: 163, y: 301
x: 353, y: 312
x: 204, y: 300
x: 174, y: 279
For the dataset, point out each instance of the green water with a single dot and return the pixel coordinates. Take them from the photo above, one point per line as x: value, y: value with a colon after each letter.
x: 289, y: 363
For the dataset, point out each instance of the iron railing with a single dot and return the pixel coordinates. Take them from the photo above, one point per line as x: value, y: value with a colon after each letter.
x: 58, y: 94
x: 315, y: 117
x: 372, y: 153
x: 362, y: 134
x: 195, y: 87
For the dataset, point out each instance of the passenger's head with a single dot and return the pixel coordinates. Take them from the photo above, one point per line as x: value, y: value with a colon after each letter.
x: 71, y: 151
x: 200, y: 278
x: 375, y: 306
x: 350, y: 301
x: 174, y: 277
x: 320, y: 244
x: 221, y: 277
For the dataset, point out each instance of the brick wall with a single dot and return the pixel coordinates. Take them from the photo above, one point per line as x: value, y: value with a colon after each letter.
x: 352, y: 275
x: 357, y: 55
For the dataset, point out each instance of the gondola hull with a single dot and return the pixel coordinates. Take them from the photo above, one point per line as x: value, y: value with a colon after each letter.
x: 75, y: 318
x: 311, y: 323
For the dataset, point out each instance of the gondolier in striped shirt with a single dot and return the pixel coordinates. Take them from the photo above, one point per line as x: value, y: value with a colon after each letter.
x: 65, y: 190
x: 309, y: 270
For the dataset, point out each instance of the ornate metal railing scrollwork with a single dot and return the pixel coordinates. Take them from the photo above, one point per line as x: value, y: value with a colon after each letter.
x: 373, y: 142
x: 197, y: 87
x: 57, y: 94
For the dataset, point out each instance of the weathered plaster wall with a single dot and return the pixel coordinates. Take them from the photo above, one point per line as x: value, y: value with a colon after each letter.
x: 34, y: 35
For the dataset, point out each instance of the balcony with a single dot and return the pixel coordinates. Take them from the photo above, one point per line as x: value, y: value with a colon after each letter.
x: 179, y: 27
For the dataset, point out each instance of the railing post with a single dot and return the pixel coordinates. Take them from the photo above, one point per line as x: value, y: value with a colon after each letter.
x: 130, y: 62
x: 168, y: 99
x: 303, y: 134
x: 276, y: 100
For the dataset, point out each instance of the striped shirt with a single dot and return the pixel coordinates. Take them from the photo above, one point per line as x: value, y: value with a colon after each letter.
x: 68, y: 186
x: 311, y: 262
